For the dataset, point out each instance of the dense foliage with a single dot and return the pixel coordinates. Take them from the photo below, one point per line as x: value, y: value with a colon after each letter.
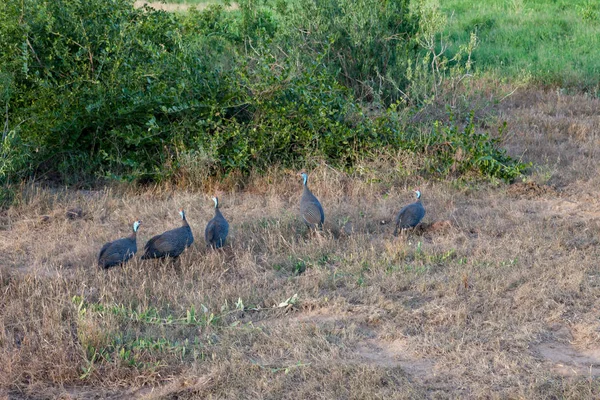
x: 99, y: 89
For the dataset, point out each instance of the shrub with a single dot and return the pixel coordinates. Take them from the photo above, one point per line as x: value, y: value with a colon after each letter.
x: 99, y: 89
x: 368, y: 44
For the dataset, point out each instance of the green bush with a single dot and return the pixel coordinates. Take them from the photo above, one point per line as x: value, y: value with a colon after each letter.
x: 368, y: 44
x: 455, y: 151
x: 98, y: 89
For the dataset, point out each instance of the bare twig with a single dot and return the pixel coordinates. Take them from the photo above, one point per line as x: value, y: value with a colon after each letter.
x: 34, y: 53
x: 90, y: 55
x: 508, y: 95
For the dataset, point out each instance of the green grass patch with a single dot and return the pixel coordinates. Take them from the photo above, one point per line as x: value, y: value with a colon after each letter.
x: 555, y: 41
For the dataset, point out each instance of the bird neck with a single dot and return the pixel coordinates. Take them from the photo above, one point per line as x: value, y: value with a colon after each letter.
x: 133, y: 235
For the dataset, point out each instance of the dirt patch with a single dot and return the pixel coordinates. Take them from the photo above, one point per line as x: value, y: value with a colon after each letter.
x: 435, y: 227
x: 587, y: 209
x: 395, y: 354
x: 565, y: 360
x: 372, y: 350
x: 530, y: 190
x: 364, y: 316
x: 194, y: 385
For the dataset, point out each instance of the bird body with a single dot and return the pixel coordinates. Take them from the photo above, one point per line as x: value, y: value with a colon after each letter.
x: 310, y: 207
x: 119, y: 251
x: 410, y: 215
x: 217, y: 228
x: 170, y: 243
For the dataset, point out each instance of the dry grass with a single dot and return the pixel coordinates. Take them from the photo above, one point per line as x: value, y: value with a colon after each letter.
x: 503, y: 305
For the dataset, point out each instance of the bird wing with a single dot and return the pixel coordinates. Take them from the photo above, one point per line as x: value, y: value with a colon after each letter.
x: 209, y: 232
x: 410, y: 215
x: 224, y: 228
x: 157, y: 246
x: 311, y: 208
x: 312, y: 212
x: 117, y: 252
x: 171, y: 242
x: 103, y: 251
x: 221, y: 229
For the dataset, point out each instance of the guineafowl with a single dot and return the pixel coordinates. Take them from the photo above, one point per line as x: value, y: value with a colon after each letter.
x: 216, y: 229
x: 310, y: 208
x: 410, y: 215
x: 120, y: 250
x: 171, y: 243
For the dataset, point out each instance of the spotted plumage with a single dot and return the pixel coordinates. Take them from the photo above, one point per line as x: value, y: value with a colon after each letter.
x: 119, y: 251
x: 311, y: 210
x: 217, y: 228
x: 410, y: 215
x: 170, y: 243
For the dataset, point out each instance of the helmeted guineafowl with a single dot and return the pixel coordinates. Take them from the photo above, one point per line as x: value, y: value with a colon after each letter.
x: 410, y: 215
x: 216, y: 229
x: 310, y: 207
x: 120, y: 250
x: 170, y: 243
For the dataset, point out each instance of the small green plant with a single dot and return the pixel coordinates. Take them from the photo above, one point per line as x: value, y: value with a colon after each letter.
x: 299, y: 267
x: 456, y: 151
x: 590, y: 11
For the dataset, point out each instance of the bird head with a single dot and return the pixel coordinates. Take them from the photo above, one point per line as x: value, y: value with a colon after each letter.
x: 136, y: 225
x: 216, y: 200
x: 304, y: 176
x: 182, y: 213
x: 418, y: 193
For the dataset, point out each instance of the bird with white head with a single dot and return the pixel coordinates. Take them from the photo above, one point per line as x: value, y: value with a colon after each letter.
x: 410, y: 215
x: 217, y: 228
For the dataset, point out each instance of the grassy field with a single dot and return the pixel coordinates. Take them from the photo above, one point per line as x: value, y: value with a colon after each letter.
x: 503, y: 304
x: 497, y: 300
x: 552, y: 42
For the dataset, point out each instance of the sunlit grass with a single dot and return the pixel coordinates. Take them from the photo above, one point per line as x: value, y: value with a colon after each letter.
x: 555, y: 42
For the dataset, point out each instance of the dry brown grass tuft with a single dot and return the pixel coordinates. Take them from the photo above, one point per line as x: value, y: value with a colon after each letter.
x: 501, y: 303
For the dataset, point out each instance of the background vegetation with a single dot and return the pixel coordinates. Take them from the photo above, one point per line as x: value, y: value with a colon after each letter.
x: 100, y: 89
x: 550, y: 43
